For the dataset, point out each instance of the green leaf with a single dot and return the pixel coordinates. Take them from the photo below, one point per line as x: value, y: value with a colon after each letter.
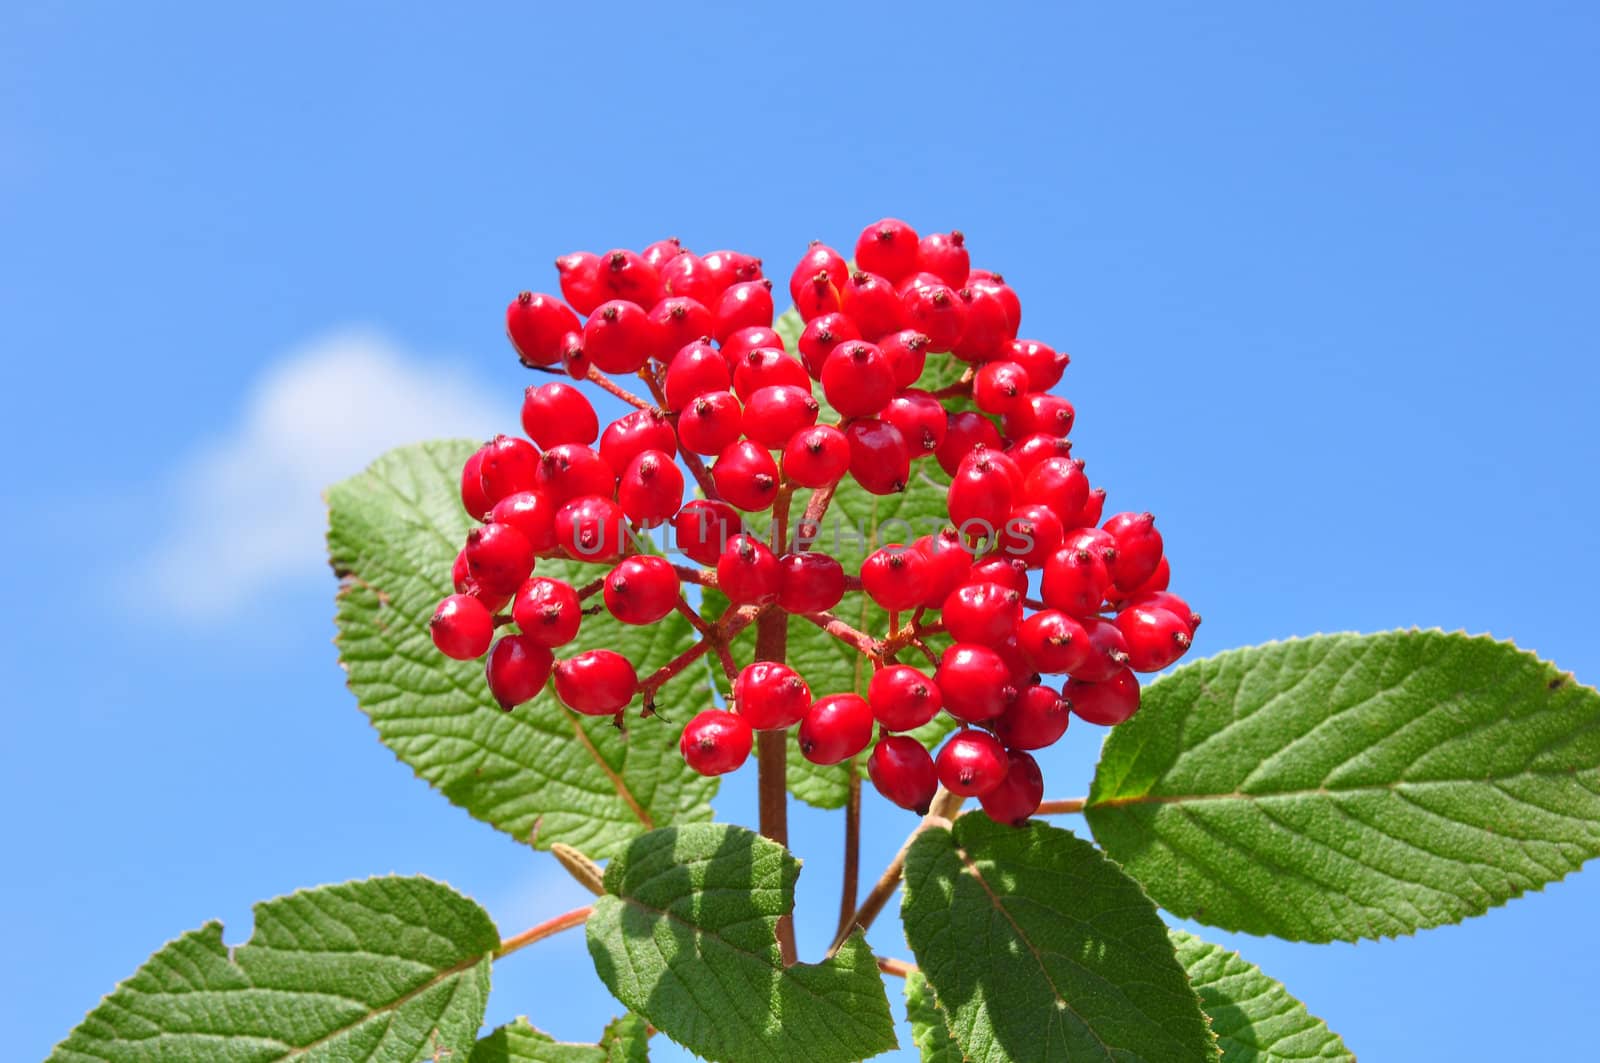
x: 1254, y: 1017
x: 626, y: 1040
x: 1352, y: 786
x: 928, y: 1027
x: 540, y: 771
x: 1040, y: 948
x: 388, y: 968
x: 686, y: 937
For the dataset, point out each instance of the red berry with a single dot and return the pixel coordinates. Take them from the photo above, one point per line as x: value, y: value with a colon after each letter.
x: 558, y: 413
x: 680, y: 321
x: 1106, y: 703
x: 948, y: 565
x: 907, y: 354
x: 902, y: 698
x: 703, y: 528
x: 872, y: 303
x: 938, y: 313
x: 971, y: 764
x: 473, y: 498
x: 1108, y: 651
x: 985, y: 335
x: 1043, y: 414
x: 747, y: 571
x: 687, y: 275
x: 1097, y: 542
x: 992, y: 284
x: 771, y: 696
x: 902, y: 771
x: 920, y: 418
x: 984, y: 613
x: 1138, y: 548
x: 1053, y: 642
x: 1018, y: 795
x: 1172, y: 604
x: 821, y: 336
x: 696, y: 369
x: 661, y: 252
x: 596, y: 682
x: 571, y: 470
x: 651, y: 490
x: 461, y: 579
x: 964, y: 432
x: 945, y: 255
x: 620, y: 337
x: 627, y: 275
x: 1031, y: 451
x: 776, y: 413
x: 580, y: 280
x: 1158, y: 582
x: 979, y: 498
x: 895, y: 577
x: 1000, y: 387
x: 746, y: 476
x: 857, y: 380
x: 715, y: 742
x: 1060, y: 484
x: 816, y: 297
x: 741, y: 343
x: 1031, y: 534
x: 1075, y: 581
x: 508, y: 465
x: 592, y: 528
x: 462, y: 627
x: 816, y: 457
x: 1037, y: 717
x: 499, y: 557
x: 747, y: 304
x: 835, y: 728
x: 809, y: 582
x: 531, y: 513
x: 974, y: 681
x: 641, y: 590
x: 880, y: 460
x: 632, y: 434
x: 573, y: 358
x: 731, y: 267
x: 888, y: 248
x: 767, y: 367
x: 517, y: 669
x: 1090, y: 516
x: 819, y: 258
x: 1155, y: 637
x: 1009, y: 572
x: 535, y: 324
x: 1043, y: 363
x: 710, y: 423
x: 548, y: 611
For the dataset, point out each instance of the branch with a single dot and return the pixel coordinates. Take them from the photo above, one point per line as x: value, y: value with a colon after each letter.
x: 898, y: 968
x: 811, y: 520
x: 697, y: 468
x: 944, y: 806
x: 1061, y: 807
x: 772, y: 765
x: 607, y: 384
x: 548, y: 928
x: 849, y: 885
x: 846, y: 634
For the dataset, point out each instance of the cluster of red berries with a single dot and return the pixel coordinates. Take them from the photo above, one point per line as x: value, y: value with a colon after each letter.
x: 697, y: 330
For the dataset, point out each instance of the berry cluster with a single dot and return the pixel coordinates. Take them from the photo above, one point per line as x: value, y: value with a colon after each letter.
x: 697, y: 330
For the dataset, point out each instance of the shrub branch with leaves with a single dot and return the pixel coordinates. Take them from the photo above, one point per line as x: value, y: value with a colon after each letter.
x: 890, y: 552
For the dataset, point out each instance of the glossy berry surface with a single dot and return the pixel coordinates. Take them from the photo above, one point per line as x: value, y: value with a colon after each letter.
x: 835, y: 728
x: 596, y: 682
x: 715, y: 742
x: 971, y: 763
x: 902, y: 771
x: 771, y: 695
x: 462, y: 627
x: 517, y: 670
x: 1019, y: 793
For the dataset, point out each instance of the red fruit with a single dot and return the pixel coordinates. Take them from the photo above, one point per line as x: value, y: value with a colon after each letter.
x: 531, y: 513
x: 964, y: 432
x: 517, y: 669
x: 980, y: 495
x: 499, y: 558
x: 573, y: 358
x: 835, y: 728
x: 747, y: 571
x: 974, y: 681
x: 916, y: 282
x: 920, y: 418
x: 771, y: 696
x: 687, y: 275
x: 1158, y: 582
x: 1053, y: 642
x: 741, y: 343
x: 903, y: 698
x: 592, y: 528
x: 558, y: 413
x: 1018, y: 795
x: 907, y: 354
x: 816, y: 297
x: 1091, y: 509
x: 1106, y: 703
x: 1138, y: 548
x: 661, y: 252
x: 473, y: 499
x: 775, y: 414
x: 508, y: 465
x: 1172, y: 604
x: 1043, y: 363
x: 768, y: 367
x: 1030, y: 452
x: 747, y: 304
x: 895, y: 577
x: 627, y: 275
x: 548, y: 611
x: 711, y: 423
x: 888, y: 248
x: 679, y: 321
x: 1155, y: 637
x: 993, y: 284
x: 985, y: 335
x: 880, y: 461
x: 984, y: 613
x: 872, y: 303
x: 945, y: 255
x: 1042, y: 414
x: 619, y: 337
x: 696, y: 369
x: 902, y: 771
x: 731, y: 267
x: 746, y: 476
x: 819, y: 258
x: 938, y: 312
x: 821, y: 336
x: 1098, y: 542
x: 857, y: 380
x: 535, y: 324
x: 1009, y: 572
x: 1108, y: 651
x: 1075, y: 581
x: 651, y: 489
x: 1060, y: 484
x: 632, y: 434
x: 1037, y: 717
x: 816, y: 457
x: 971, y: 764
x: 641, y: 590
x: 572, y: 470
x: 703, y: 528
x: 809, y: 582
x: 715, y: 742
x: 462, y: 627
x: 1031, y: 534
x: 596, y: 682
x: 580, y: 280
x: 947, y: 567
x: 461, y: 579
x: 1000, y: 387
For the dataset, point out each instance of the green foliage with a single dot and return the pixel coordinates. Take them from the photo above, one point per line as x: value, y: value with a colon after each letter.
x: 928, y: 1028
x: 540, y: 772
x: 626, y: 1040
x: 1039, y: 948
x: 386, y: 969
x: 1254, y: 1017
x: 686, y: 938
x: 1352, y: 786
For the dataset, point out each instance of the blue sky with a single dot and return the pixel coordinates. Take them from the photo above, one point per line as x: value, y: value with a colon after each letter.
x: 1327, y: 273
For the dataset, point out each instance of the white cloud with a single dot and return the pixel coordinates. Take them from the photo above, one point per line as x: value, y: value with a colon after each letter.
x: 247, y: 509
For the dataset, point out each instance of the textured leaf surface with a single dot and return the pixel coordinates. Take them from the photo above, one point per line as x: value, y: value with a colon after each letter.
x: 626, y: 1040
x: 389, y: 969
x: 539, y: 771
x: 1352, y: 786
x: 928, y: 1028
x: 1039, y: 948
x: 686, y: 938
x: 1254, y: 1017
